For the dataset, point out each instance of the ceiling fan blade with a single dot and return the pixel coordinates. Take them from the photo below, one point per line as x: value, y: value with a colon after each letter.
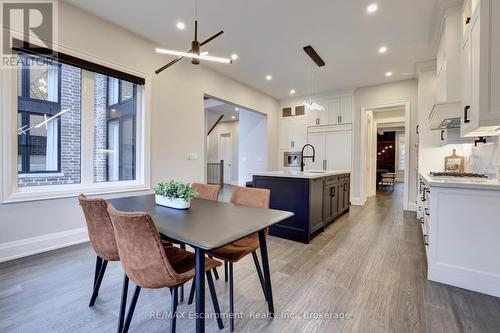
x: 212, y: 38
x: 159, y: 70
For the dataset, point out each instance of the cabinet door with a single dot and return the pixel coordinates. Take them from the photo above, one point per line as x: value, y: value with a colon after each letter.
x: 312, y: 117
x: 317, y: 117
x: 338, y: 150
x: 475, y: 45
x: 466, y: 79
x: 318, y: 142
x: 340, y: 199
x: 334, y: 111
x: 327, y: 203
x: 346, y: 196
x: 346, y: 110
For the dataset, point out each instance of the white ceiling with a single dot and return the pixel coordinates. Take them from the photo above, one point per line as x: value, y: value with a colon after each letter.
x: 224, y: 109
x: 269, y: 35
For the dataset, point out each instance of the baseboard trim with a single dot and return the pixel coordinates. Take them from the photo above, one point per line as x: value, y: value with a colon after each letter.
x: 357, y: 202
x: 34, y: 245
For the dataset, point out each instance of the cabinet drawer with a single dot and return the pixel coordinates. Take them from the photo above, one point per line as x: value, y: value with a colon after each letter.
x: 332, y: 179
x: 341, y: 177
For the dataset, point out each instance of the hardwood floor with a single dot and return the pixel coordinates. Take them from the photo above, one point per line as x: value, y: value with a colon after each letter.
x: 370, y: 266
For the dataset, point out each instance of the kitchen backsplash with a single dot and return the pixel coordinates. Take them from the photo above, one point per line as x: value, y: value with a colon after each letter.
x: 482, y: 159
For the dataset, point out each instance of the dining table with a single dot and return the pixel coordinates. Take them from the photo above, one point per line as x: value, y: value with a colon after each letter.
x: 205, y: 226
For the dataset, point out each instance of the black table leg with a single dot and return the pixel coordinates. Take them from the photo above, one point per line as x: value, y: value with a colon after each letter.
x: 267, y: 274
x: 199, y: 280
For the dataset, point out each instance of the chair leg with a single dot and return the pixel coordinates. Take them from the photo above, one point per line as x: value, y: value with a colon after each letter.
x: 123, y: 304
x: 216, y: 273
x: 98, y: 264
x: 259, y: 272
x: 131, y: 309
x: 181, y: 290
x: 231, y: 298
x: 215, y: 302
x: 175, y: 302
x: 191, y: 293
x: 97, y: 284
x: 225, y: 271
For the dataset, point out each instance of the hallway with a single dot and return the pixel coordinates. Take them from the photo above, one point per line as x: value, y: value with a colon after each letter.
x: 367, y: 272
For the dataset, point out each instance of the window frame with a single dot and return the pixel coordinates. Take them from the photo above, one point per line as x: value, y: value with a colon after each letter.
x: 10, y: 192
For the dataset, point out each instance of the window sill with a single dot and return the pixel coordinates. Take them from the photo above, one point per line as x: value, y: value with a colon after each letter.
x: 40, y: 175
x: 39, y: 193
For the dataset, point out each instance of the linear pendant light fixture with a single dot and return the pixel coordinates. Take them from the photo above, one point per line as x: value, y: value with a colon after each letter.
x: 200, y: 56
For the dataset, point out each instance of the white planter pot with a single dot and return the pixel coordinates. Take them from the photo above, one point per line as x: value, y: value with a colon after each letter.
x: 172, y: 202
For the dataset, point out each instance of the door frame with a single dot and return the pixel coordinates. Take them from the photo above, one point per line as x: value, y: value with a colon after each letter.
x: 230, y: 135
x: 365, y: 159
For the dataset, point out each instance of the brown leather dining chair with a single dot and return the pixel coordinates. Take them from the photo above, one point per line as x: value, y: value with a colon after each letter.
x: 234, y: 252
x: 102, y: 238
x: 149, y: 264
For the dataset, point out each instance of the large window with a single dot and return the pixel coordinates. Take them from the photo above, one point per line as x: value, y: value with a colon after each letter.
x: 63, y: 139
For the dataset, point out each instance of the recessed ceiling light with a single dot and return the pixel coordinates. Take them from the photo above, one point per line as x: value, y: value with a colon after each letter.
x: 388, y: 74
x: 236, y: 109
x: 292, y: 91
x: 372, y: 8
x: 181, y: 25
x: 233, y: 117
x: 234, y: 56
x: 269, y: 77
x: 382, y: 49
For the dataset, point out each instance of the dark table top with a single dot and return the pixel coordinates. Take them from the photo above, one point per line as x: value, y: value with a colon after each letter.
x: 207, y: 224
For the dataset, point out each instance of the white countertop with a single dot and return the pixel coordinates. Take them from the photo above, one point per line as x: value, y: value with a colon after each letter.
x: 309, y: 174
x: 469, y: 183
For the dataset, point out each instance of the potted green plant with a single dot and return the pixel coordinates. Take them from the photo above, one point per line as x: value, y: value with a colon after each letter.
x: 174, y: 194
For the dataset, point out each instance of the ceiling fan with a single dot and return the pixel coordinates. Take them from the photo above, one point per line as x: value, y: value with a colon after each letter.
x: 194, y: 53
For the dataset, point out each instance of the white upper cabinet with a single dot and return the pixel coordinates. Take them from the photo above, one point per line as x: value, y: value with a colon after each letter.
x: 338, y: 110
x: 481, y: 66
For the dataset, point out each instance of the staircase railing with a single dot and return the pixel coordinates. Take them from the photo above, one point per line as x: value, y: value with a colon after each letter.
x: 215, y: 173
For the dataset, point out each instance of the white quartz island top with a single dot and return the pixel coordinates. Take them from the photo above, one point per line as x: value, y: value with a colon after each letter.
x: 470, y: 183
x: 308, y: 174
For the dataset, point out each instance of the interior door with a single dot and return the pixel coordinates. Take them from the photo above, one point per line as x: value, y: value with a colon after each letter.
x: 317, y: 140
x: 226, y: 154
x: 338, y: 150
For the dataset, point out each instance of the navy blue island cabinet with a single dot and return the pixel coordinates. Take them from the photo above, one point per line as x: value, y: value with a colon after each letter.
x: 317, y: 199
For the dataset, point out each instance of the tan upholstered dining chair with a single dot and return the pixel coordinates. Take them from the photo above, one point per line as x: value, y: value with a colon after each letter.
x: 234, y: 252
x: 149, y: 264
x: 102, y: 238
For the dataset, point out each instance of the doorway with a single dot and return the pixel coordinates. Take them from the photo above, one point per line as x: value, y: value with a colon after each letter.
x: 226, y: 155
x: 386, y: 152
x: 236, y: 142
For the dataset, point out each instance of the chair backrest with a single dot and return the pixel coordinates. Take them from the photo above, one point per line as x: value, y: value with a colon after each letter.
x: 141, y: 251
x: 206, y: 191
x: 249, y: 196
x: 100, y: 228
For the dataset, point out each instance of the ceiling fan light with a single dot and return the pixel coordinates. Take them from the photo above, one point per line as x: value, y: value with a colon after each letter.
x: 194, y: 55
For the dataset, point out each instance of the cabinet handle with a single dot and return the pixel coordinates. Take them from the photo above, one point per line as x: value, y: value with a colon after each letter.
x: 332, y: 189
x: 317, y: 121
x: 420, y: 187
x: 345, y: 187
x: 340, y: 119
x: 417, y: 129
x: 325, y: 162
x: 467, y: 20
x: 466, y: 116
x: 423, y: 194
x: 426, y: 211
x: 426, y: 241
x: 442, y: 135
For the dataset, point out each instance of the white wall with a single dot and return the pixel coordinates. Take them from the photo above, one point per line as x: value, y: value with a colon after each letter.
x: 232, y: 127
x: 253, y: 138
x: 177, y: 127
x: 373, y: 97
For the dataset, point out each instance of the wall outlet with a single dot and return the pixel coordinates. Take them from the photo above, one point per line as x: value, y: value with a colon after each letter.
x: 192, y: 156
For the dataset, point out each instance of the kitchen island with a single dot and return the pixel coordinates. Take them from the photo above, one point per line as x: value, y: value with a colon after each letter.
x: 318, y: 198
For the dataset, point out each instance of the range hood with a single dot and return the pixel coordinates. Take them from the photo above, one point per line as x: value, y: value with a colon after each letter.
x: 445, y: 115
